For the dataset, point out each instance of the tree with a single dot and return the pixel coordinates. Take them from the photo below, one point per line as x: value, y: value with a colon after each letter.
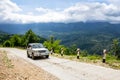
x: 72, y: 49
x: 53, y: 44
x: 29, y: 37
x: 116, y: 48
x: 7, y: 43
x: 49, y: 43
x: 15, y: 40
x: 56, y: 46
x: 23, y: 40
x: 51, y: 39
x: 84, y: 53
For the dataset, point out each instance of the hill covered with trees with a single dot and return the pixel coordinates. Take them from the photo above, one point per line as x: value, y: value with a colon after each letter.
x: 90, y: 36
x: 23, y: 40
x: 113, y: 54
x: 4, y: 36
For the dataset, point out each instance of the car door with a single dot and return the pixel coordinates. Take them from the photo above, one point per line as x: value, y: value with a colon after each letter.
x: 29, y: 49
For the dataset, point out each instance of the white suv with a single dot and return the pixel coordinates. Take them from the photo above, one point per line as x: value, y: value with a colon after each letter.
x: 36, y: 50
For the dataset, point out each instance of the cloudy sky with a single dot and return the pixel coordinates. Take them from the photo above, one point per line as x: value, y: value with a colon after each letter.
x: 35, y: 11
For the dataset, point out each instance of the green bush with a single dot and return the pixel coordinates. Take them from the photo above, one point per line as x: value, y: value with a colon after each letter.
x: 7, y: 43
x: 94, y: 57
x: 84, y: 53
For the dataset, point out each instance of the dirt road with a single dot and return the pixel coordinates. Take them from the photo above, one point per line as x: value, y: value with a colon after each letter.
x: 68, y: 70
x: 15, y: 68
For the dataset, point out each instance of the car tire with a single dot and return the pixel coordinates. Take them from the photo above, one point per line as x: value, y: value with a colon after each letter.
x: 47, y: 56
x: 33, y: 57
x: 28, y: 55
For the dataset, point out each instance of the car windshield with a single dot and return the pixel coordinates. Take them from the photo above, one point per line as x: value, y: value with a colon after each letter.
x: 37, y: 46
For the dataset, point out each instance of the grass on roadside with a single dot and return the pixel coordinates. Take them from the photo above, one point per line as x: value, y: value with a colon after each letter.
x: 6, y: 60
x: 111, y: 61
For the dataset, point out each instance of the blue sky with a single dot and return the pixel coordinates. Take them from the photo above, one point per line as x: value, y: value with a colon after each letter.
x: 52, y: 4
x: 29, y: 5
x: 66, y: 11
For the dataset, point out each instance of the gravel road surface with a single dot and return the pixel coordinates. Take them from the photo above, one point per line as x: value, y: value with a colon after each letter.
x: 68, y: 70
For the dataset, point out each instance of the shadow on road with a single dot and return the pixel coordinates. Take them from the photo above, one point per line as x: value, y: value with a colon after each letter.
x: 41, y: 58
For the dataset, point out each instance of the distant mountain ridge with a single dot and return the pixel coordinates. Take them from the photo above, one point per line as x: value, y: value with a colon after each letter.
x: 91, y: 36
x: 60, y: 27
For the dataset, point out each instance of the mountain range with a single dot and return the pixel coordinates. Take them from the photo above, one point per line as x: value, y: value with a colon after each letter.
x: 90, y: 36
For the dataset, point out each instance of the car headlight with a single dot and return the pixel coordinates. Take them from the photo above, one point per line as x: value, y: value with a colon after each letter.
x: 47, y: 51
x: 35, y: 51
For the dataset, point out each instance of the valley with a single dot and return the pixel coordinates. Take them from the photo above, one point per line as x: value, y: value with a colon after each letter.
x: 91, y: 36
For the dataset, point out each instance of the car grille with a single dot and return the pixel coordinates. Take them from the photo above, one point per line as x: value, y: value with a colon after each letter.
x: 42, y: 51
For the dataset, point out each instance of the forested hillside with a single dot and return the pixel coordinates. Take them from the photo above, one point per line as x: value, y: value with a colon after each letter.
x: 17, y: 40
x: 91, y: 36
x: 4, y: 36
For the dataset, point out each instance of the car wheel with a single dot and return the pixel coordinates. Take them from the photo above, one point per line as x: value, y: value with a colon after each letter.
x: 33, y: 57
x: 47, y: 56
x: 28, y: 55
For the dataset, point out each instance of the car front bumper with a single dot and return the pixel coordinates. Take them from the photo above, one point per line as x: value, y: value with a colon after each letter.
x: 40, y: 54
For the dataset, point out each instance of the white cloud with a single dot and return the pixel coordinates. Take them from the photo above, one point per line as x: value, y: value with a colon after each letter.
x: 84, y: 11
x: 7, y: 5
x: 8, y: 8
x: 116, y: 2
x: 92, y: 12
x: 43, y: 10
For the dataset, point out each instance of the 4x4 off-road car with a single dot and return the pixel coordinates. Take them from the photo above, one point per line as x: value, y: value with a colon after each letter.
x: 37, y: 50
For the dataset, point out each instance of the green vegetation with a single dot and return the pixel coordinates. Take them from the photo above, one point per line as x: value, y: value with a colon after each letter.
x: 29, y: 37
x: 7, y: 43
x: 4, y: 36
x: 112, y: 59
x: 53, y: 44
x: 90, y: 41
x: 90, y: 36
x: 116, y: 48
x: 23, y: 40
